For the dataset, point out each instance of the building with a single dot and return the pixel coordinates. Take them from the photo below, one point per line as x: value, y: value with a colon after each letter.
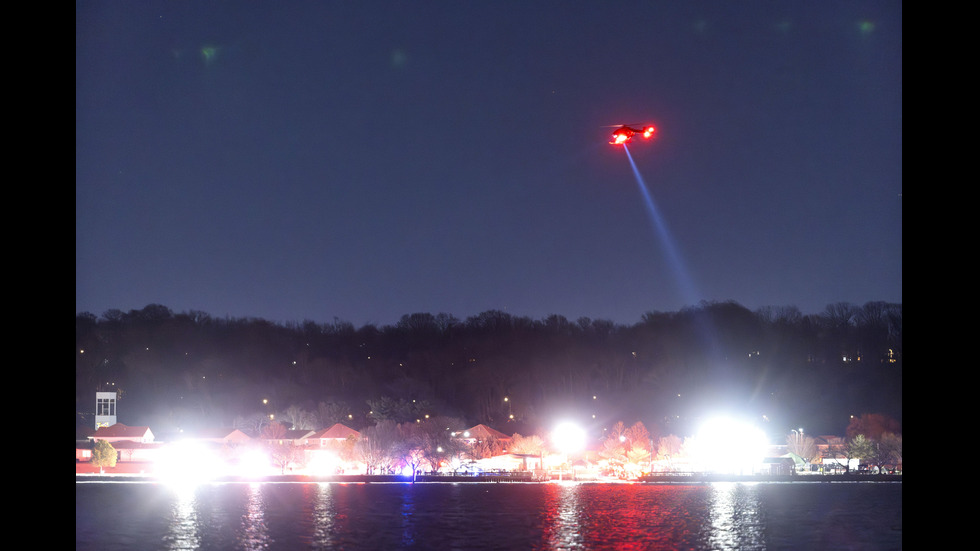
x: 227, y: 436
x: 483, y: 433
x: 132, y: 444
x: 331, y: 451
x: 338, y: 433
x: 105, y: 409
x: 119, y: 432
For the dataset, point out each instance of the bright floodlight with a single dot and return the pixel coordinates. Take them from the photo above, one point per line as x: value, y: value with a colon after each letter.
x: 188, y: 462
x: 729, y: 446
x: 568, y: 437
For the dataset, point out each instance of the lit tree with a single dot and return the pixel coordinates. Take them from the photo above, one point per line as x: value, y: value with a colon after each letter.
x: 887, y: 450
x: 527, y: 445
x: 486, y: 447
x: 281, y: 453
x: 439, y: 445
x: 614, y: 452
x: 377, y: 446
x: 858, y: 447
x: 103, y: 455
x: 627, y: 450
x: 346, y: 452
x: 893, y: 444
x: 636, y: 459
x: 413, y: 446
x: 637, y: 436
x: 861, y: 447
x: 801, y: 445
x: 872, y: 426
x: 669, y: 448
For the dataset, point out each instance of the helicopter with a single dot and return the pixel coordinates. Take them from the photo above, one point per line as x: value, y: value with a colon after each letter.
x: 624, y: 134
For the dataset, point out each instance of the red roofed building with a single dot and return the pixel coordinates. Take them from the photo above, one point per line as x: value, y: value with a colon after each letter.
x: 217, y: 435
x: 483, y: 432
x: 484, y: 441
x: 132, y: 444
x: 336, y: 433
x: 331, y: 451
x: 122, y: 433
x: 296, y: 437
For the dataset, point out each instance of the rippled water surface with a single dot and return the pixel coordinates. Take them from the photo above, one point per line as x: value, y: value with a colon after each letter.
x: 148, y: 516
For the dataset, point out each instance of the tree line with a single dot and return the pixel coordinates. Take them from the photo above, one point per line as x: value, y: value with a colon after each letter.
x: 178, y: 370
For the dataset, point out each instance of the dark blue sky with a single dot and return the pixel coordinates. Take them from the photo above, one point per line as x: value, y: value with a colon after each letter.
x: 364, y: 160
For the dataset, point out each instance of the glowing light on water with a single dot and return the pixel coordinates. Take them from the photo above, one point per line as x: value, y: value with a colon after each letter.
x: 182, y: 529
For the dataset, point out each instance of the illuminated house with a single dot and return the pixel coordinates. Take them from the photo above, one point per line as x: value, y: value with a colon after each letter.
x: 297, y: 437
x: 122, y: 433
x: 331, y: 451
x: 482, y: 433
x: 132, y: 444
x: 217, y: 435
x: 484, y: 441
x: 336, y: 434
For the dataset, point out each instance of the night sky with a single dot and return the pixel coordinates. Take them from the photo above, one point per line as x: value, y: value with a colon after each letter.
x: 359, y: 161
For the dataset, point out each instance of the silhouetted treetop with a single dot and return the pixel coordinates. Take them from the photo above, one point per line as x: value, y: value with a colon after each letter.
x: 495, y: 367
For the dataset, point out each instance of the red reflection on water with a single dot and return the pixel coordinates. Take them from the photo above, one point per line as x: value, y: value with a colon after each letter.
x: 624, y: 517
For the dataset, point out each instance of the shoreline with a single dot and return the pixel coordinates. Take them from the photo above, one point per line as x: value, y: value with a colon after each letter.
x: 507, y: 478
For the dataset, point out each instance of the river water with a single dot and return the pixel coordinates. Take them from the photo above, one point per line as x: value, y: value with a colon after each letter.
x: 523, y: 516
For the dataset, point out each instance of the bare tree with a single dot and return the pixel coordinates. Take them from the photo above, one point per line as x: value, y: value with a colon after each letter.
x: 804, y: 447
x: 299, y: 418
x: 887, y: 450
x: 844, y: 452
x: 251, y: 424
x: 377, y: 446
x: 281, y: 452
x: 414, y: 446
x: 527, y: 445
x: 669, y: 447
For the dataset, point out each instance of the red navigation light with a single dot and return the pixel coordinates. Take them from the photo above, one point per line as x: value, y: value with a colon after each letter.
x: 649, y: 132
x: 620, y: 137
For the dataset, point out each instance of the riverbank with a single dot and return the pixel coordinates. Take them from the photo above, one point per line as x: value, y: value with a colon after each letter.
x: 517, y: 477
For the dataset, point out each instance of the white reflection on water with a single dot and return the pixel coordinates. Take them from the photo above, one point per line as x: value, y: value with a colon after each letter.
x: 736, y: 517
x: 570, y: 517
x: 255, y: 534
x: 565, y: 531
x: 323, y: 513
x: 183, y: 533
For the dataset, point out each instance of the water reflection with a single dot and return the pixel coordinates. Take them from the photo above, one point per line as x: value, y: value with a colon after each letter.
x: 737, y: 520
x: 407, y: 516
x: 323, y: 513
x: 535, y: 517
x: 254, y: 534
x: 564, y: 530
x: 183, y: 527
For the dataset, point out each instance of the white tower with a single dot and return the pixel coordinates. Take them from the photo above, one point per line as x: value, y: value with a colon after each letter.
x: 105, y: 409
